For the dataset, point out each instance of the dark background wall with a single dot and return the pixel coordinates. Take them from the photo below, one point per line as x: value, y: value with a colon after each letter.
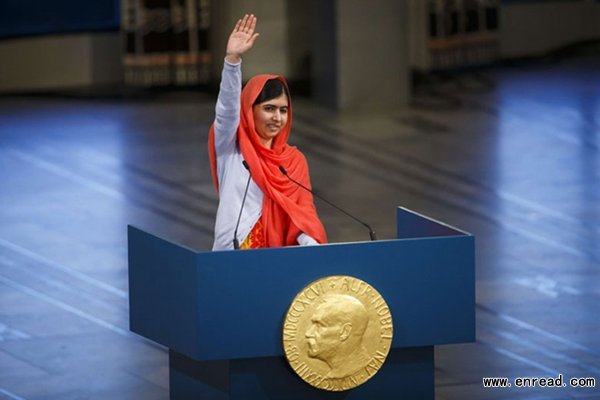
x: 35, y: 17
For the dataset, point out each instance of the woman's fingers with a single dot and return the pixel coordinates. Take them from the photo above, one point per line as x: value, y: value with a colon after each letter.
x: 252, y: 24
x: 252, y: 39
x: 237, y: 26
x: 244, y: 23
x: 240, y: 25
x: 248, y: 24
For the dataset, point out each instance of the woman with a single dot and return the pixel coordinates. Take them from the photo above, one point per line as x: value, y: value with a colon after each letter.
x: 277, y: 212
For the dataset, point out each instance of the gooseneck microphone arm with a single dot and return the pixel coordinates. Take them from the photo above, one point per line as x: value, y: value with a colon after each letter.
x: 372, y: 233
x: 236, y: 242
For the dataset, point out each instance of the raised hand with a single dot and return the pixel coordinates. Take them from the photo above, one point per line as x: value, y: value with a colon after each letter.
x: 241, y: 39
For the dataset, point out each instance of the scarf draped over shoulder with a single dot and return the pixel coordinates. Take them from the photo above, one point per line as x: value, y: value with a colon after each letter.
x: 287, y: 210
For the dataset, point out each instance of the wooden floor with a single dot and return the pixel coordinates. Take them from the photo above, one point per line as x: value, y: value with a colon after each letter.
x: 509, y: 154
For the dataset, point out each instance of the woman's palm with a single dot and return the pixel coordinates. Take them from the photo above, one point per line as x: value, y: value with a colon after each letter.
x: 242, y: 37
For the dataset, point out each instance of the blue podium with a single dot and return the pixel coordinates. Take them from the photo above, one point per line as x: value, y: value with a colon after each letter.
x: 221, y: 313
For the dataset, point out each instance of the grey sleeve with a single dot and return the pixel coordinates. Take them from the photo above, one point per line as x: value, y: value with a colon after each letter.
x: 227, y: 110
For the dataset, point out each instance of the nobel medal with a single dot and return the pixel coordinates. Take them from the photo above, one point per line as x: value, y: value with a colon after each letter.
x: 337, y: 333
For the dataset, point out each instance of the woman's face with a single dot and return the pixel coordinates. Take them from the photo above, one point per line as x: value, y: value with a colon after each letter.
x: 270, y: 117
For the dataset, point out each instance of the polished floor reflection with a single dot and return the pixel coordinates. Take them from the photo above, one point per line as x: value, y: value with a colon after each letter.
x: 510, y: 154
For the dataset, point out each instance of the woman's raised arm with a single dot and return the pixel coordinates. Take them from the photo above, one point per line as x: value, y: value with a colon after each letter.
x: 227, y: 110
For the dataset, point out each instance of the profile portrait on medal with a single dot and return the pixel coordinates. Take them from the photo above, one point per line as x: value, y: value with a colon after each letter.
x: 335, y: 334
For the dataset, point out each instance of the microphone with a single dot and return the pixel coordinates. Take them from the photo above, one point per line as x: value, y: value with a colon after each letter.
x: 236, y: 243
x: 372, y: 234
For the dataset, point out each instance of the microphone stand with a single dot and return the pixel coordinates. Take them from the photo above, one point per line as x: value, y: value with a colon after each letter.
x: 372, y: 233
x: 236, y: 242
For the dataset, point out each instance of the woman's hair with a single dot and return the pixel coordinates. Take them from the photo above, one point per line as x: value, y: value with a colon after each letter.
x: 272, y: 89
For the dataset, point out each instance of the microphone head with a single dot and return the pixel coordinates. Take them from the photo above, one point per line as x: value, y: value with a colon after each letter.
x: 283, y: 171
x: 246, y: 165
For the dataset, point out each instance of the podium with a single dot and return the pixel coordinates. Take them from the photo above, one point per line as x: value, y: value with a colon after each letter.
x: 221, y: 313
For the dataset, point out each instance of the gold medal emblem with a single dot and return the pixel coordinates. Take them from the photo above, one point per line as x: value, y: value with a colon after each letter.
x: 337, y: 333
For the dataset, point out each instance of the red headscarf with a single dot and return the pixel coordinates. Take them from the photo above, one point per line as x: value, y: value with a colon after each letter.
x: 288, y: 210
